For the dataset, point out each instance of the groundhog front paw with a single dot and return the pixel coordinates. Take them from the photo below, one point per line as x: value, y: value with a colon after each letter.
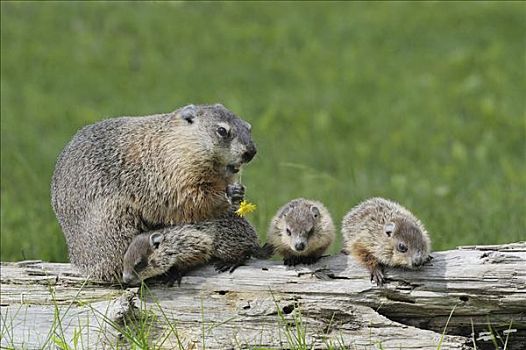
x: 235, y: 193
x: 223, y: 266
x: 428, y: 260
x: 295, y: 260
x: 310, y: 259
x: 173, y: 275
x: 377, y: 276
x: 291, y: 261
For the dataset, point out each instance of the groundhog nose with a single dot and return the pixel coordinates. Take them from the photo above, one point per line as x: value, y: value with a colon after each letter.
x: 129, y: 279
x: 299, y: 246
x: 418, y: 261
x: 250, y: 153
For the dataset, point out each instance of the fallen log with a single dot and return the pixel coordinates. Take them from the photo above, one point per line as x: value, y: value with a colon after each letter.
x: 465, y: 297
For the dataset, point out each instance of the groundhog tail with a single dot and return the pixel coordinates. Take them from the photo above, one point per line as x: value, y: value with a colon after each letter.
x: 264, y: 252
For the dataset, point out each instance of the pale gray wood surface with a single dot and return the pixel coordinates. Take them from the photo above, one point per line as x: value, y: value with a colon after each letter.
x: 337, y: 302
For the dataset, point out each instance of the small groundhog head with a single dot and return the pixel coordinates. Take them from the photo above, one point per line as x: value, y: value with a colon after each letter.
x: 140, y: 261
x: 222, y: 134
x: 300, y: 221
x: 409, y: 246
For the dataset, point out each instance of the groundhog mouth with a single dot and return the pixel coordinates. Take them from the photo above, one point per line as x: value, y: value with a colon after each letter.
x: 233, y: 168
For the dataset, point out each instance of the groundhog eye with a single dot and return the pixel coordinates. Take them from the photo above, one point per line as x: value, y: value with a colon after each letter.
x: 222, y: 132
x: 402, y: 248
x: 288, y: 232
x: 140, y: 265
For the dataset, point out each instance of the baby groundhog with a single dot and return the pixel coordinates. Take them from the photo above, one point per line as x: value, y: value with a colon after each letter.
x: 301, y: 231
x: 229, y: 240
x: 169, y: 251
x: 379, y: 232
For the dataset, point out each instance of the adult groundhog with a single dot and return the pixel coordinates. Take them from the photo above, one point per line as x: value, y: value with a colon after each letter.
x: 301, y: 231
x: 230, y: 240
x: 124, y: 176
x: 379, y: 232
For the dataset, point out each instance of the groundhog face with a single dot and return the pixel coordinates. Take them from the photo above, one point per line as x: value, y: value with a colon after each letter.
x: 139, y: 262
x: 299, y: 225
x: 410, y: 246
x: 223, y: 135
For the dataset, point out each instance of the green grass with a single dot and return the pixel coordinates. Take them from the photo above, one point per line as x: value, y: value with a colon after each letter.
x: 419, y: 102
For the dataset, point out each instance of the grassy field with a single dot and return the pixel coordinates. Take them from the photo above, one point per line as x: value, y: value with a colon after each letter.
x: 423, y: 103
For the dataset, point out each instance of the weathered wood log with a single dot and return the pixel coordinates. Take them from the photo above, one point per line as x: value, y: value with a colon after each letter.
x: 480, y: 289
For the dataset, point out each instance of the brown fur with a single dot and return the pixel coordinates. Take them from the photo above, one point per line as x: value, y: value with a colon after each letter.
x: 368, y: 260
x: 124, y: 176
x: 315, y: 232
x: 375, y: 230
x: 183, y: 246
x: 230, y: 240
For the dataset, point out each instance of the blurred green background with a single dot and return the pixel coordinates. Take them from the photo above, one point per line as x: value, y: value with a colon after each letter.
x: 423, y: 103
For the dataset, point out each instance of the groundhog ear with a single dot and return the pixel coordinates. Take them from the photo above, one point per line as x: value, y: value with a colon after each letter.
x: 389, y: 229
x: 285, y: 211
x: 155, y: 240
x: 188, y: 113
x: 315, y: 212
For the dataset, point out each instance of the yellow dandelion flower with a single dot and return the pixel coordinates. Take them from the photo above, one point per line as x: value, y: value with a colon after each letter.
x: 245, y: 208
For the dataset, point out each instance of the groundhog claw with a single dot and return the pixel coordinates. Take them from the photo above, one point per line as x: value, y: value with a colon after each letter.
x: 295, y: 260
x: 377, y: 276
x: 290, y: 261
x: 223, y: 266
x: 173, y: 275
